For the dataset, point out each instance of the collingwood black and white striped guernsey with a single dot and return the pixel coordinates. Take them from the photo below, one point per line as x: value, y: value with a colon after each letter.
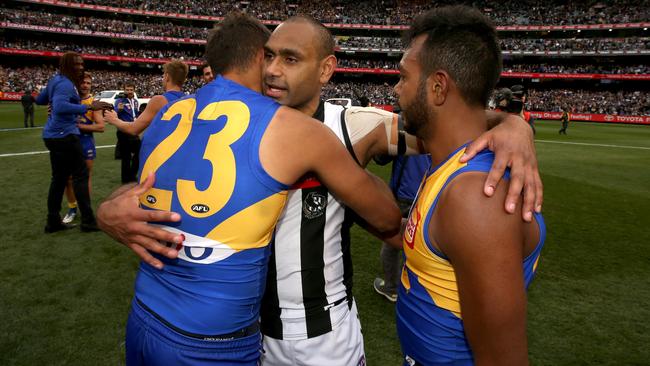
x: 309, y: 282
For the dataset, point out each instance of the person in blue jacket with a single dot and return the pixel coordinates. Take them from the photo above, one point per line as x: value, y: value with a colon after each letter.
x: 61, y: 137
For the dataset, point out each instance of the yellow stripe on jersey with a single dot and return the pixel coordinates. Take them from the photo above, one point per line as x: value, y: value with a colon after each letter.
x: 89, y: 114
x: 251, y: 227
x: 434, y: 273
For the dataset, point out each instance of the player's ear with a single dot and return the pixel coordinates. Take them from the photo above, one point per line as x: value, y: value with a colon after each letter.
x: 327, y: 67
x: 438, y: 86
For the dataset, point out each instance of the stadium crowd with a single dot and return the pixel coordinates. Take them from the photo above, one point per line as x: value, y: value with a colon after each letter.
x: 94, y: 24
x: 154, y: 29
x: 149, y: 84
x: 188, y: 53
x: 577, y: 44
x: 196, y: 53
x: 36, y: 77
x: 635, y: 103
x: 523, y: 12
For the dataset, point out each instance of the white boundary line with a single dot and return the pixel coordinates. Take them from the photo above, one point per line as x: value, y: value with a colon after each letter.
x: 586, y: 144
x: 44, y: 152
x: 21, y: 129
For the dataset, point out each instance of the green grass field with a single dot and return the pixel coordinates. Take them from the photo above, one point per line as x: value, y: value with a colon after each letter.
x: 64, y: 298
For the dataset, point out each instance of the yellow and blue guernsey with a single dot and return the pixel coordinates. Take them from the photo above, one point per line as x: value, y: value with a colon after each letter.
x: 86, y: 138
x: 429, y: 317
x: 204, y: 150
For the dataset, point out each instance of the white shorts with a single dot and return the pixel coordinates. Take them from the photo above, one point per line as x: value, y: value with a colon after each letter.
x: 343, y: 346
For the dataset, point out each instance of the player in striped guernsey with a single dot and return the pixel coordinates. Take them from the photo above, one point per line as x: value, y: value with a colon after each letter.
x: 203, y: 306
x: 308, y: 316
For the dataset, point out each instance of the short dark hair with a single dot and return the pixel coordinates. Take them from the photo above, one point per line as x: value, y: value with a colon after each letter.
x: 129, y: 84
x: 326, y: 42
x: 464, y: 43
x: 177, y: 71
x: 67, y: 67
x: 234, y: 43
x: 204, y: 65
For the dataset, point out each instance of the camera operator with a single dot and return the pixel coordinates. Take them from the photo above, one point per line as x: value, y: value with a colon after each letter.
x: 127, y: 108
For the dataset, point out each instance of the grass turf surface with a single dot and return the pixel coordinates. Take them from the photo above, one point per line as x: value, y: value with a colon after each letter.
x: 65, y: 297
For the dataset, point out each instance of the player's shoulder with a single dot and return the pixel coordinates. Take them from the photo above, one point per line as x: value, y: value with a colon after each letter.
x: 368, y: 113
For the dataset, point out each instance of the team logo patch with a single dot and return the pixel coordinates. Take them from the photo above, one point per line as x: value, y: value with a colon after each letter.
x: 411, y: 227
x: 151, y: 199
x: 314, y: 205
x: 200, y: 208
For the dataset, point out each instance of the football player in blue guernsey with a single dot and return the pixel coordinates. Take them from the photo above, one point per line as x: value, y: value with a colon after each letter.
x: 462, y: 295
x: 174, y: 76
x: 224, y: 159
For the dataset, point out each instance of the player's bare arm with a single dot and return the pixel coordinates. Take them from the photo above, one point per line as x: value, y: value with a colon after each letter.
x: 294, y: 144
x: 486, y: 247
x: 513, y: 145
x: 97, y: 126
x: 144, y: 119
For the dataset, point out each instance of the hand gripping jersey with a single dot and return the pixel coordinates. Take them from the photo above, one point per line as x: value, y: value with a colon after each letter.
x: 205, y: 152
x: 429, y: 318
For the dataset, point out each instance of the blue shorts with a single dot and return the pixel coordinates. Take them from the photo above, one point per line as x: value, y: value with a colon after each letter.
x: 88, y: 147
x: 150, y: 342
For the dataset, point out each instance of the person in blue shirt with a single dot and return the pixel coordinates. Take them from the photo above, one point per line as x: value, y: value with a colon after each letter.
x: 127, y: 109
x: 405, y: 179
x: 61, y: 137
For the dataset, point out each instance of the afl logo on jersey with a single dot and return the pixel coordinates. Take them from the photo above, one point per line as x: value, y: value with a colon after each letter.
x: 151, y: 199
x: 200, y: 208
x: 314, y: 205
x: 411, y: 227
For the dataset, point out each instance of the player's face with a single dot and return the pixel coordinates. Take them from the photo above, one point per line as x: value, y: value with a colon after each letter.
x: 207, y: 74
x: 130, y: 91
x: 412, y: 92
x: 84, y: 88
x: 292, y: 75
x: 79, y: 66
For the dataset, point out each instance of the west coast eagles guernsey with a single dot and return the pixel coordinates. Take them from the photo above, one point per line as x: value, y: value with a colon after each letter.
x: 429, y: 318
x: 204, y: 150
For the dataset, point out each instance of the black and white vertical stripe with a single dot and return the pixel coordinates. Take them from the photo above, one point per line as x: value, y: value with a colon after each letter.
x: 310, y: 271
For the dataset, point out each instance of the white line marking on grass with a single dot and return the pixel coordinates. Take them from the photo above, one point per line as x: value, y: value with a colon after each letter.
x: 21, y: 129
x: 44, y: 152
x: 601, y: 145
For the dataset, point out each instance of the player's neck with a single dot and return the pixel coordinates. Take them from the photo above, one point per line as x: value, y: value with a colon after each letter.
x: 172, y: 87
x: 246, y: 79
x: 84, y: 96
x: 310, y: 107
x: 456, y: 125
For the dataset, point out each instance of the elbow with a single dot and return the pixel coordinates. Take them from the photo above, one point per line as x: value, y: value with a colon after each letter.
x: 100, y: 129
x: 390, y: 222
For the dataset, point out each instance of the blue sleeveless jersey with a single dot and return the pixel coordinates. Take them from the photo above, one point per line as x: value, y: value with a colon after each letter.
x: 429, y: 317
x: 204, y: 149
x: 173, y: 95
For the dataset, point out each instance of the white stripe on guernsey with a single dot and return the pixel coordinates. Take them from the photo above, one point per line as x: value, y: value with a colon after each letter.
x: 20, y: 129
x: 44, y: 152
x: 600, y: 145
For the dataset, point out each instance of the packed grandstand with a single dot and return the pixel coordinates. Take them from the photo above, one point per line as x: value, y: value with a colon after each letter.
x: 590, y: 57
